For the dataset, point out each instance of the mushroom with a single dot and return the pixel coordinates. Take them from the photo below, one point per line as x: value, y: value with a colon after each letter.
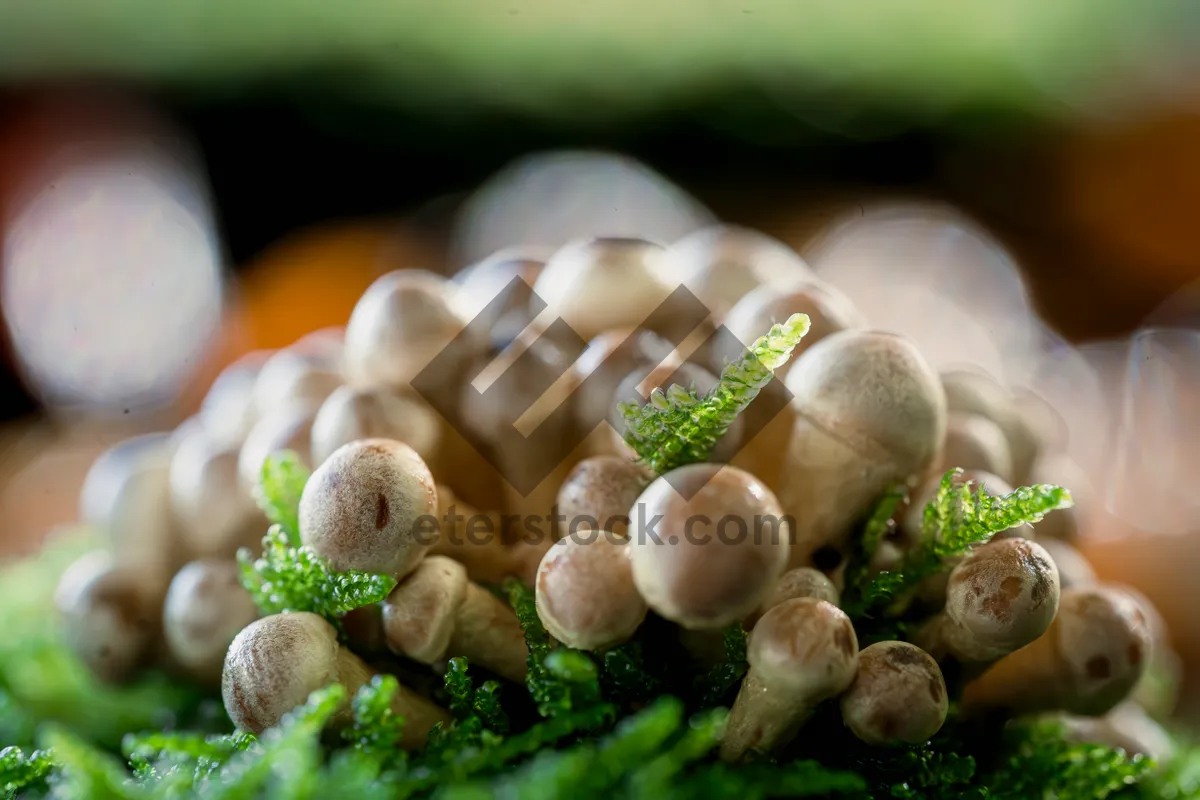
x: 585, y: 592
x: 1002, y: 596
x: 287, y: 427
x: 723, y: 263
x: 596, y: 285
x: 1158, y: 690
x: 975, y: 442
x: 898, y: 696
x: 276, y: 662
x: 438, y: 612
x: 721, y: 543
x: 403, y: 320
x: 206, y: 607
x: 801, y: 653
x: 216, y: 514
x: 798, y: 582
x: 125, y: 496
x: 1073, y: 569
x: 370, y: 507
x: 975, y: 392
x: 305, y: 375
x: 349, y: 414
x: 1127, y: 727
x: 472, y: 538
x: 228, y: 410
x: 1086, y: 663
x: 110, y: 615
x: 870, y: 414
x: 599, y: 492
x: 496, y: 277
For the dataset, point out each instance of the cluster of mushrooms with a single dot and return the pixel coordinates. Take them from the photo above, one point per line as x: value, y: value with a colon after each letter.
x: 760, y: 536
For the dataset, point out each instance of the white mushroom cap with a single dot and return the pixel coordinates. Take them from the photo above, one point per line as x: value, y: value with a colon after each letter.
x: 350, y: 414
x: 274, y: 664
x: 125, y: 496
x: 215, y: 512
x: 419, y: 615
x: 597, y: 285
x: 599, y: 492
x: 403, y: 320
x: 586, y: 597
x: 898, y: 695
x: 485, y: 280
x: 206, y: 607
x: 228, y: 410
x: 372, y: 506
x: 975, y: 442
x: 828, y: 310
x: 110, y: 615
x: 288, y: 427
x: 720, y: 544
x: 296, y: 375
x: 723, y: 263
x: 805, y: 646
x: 801, y: 582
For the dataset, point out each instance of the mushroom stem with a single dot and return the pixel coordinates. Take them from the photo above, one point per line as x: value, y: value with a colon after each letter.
x: 487, y: 632
x: 482, y: 552
x: 420, y: 715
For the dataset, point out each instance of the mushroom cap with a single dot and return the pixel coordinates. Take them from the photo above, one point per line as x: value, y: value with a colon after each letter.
x: 366, y: 507
x: 721, y: 542
x: 206, y: 607
x: 599, y: 492
x: 804, y: 646
x: 215, y: 512
x: 401, y: 322
x: 801, y: 582
x: 975, y: 392
x: 1001, y: 597
x: 274, y: 664
x: 829, y: 311
x: 349, y: 414
x: 485, y: 280
x: 975, y: 442
x: 125, y: 496
x: 108, y: 614
x: 662, y: 376
x: 1073, y: 568
x: 419, y: 615
x: 585, y: 592
x: 228, y: 410
x: 287, y: 427
x: 1102, y: 641
x: 875, y: 392
x: 615, y: 353
x: 296, y: 375
x: 721, y: 264
x: 595, y: 285
x: 898, y: 695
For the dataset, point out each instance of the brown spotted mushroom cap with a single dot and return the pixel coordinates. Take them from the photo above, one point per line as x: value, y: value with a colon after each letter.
x: 898, y: 695
x: 1000, y: 598
x: 1103, y: 640
x: 206, y: 607
x: 805, y: 646
x: 720, y: 544
x: 585, y: 593
x: 419, y: 615
x: 367, y: 506
x: 599, y: 492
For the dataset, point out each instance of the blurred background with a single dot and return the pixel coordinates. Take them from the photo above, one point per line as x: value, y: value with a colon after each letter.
x: 1015, y: 185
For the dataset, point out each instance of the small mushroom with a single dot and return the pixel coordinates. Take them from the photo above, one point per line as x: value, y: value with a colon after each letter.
x: 1001, y: 597
x: 723, y: 263
x: 403, y: 320
x: 870, y: 414
x: 276, y: 662
x: 349, y: 414
x: 1127, y: 727
x: 599, y: 492
x: 287, y: 427
x: 125, y: 496
x: 1088, y: 661
x: 585, y: 592
x: 798, y: 582
x: 1073, y: 569
x: 297, y: 375
x: 228, y: 411
x: 898, y: 696
x: 472, y: 538
x: 437, y: 612
x: 801, y: 653
x: 493, y: 277
x: 206, y: 607
x: 110, y: 615
x: 216, y: 514
x: 371, y: 507
x: 596, y: 285
x: 720, y: 544
x: 975, y: 392
x: 975, y: 442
